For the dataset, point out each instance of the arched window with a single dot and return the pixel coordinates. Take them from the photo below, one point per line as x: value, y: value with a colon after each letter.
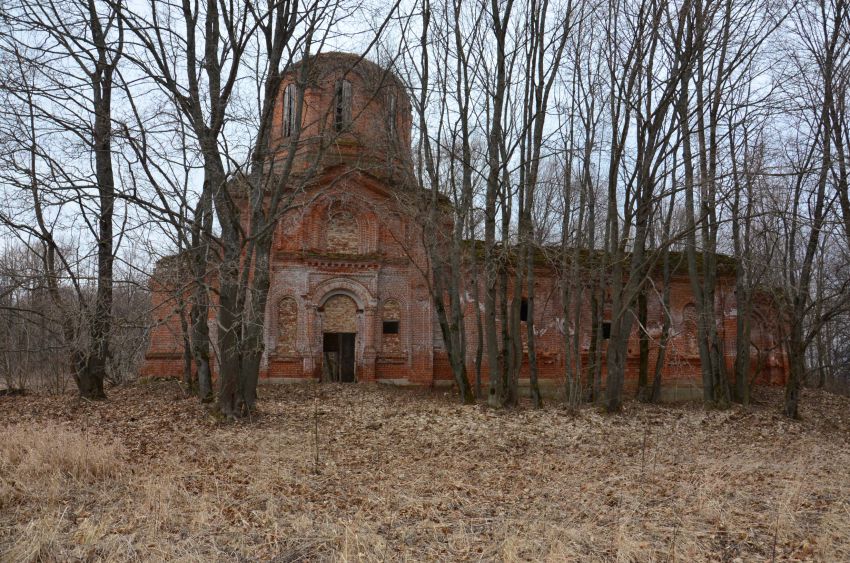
x: 289, y: 100
x: 343, y: 233
x: 287, y: 325
x: 342, y: 103
x: 391, y: 326
x: 392, y: 113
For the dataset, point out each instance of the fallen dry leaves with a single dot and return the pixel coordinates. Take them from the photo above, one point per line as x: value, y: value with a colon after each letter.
x: 370, y: 473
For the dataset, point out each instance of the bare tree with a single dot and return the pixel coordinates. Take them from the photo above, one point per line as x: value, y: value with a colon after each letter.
x: 820, y: 32
x: 64, y: 58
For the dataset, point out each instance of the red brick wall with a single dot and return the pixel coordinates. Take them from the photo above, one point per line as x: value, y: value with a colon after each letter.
x: 165, y: 351
x: 352, y: 239
x: 313, y: 281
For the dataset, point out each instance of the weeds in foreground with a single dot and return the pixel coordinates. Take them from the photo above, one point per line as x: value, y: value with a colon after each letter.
x: 400, y: 476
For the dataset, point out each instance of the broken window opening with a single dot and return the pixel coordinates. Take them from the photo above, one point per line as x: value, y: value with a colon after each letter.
x: 392, y: 101
x: 342, y: 114
x: 289, y: 98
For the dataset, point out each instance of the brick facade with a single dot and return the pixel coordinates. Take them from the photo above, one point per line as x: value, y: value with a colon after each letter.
x: 348, y: 259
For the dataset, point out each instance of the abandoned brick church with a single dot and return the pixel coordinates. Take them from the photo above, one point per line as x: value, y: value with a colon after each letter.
x: 348, y: 301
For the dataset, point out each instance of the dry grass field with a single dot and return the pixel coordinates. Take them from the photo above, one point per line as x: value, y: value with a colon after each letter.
x: 367, y: 473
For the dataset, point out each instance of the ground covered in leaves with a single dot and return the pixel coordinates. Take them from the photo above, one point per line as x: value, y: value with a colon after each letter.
x: 330, y: 472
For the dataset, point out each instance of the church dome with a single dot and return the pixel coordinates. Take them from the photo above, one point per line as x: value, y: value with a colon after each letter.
x: 355, y: 113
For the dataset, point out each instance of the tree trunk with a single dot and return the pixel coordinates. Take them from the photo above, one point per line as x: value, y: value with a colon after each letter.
x: 643, y: 370
x: 90, y: 377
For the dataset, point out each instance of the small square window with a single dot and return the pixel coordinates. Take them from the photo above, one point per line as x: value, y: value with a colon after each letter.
x: 391, y: 327
x: 606, y: 330
x: 523, y: 311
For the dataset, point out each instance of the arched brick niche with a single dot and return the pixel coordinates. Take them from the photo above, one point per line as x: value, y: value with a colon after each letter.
x: 287, y: 325
x: 342, y: 233
x: 688, y: 332
x: 291, y: 231
x: 339, y: 223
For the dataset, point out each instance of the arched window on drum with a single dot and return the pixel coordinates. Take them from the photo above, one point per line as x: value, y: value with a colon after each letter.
x: 342, y: 105
x: 290, y: 124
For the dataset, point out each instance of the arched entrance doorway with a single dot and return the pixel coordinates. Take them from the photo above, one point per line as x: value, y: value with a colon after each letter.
x: 339, y: 336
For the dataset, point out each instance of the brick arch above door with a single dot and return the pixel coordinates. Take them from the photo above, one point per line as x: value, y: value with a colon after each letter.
x: 354, y: 289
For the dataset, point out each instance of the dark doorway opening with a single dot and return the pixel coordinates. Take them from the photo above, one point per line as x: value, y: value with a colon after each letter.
x: 338, y: 355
